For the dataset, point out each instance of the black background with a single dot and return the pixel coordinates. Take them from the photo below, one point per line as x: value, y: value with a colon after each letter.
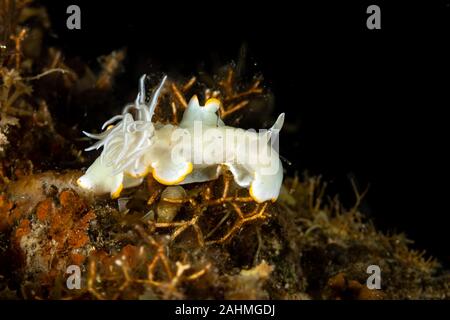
x: 284, y: 309
x: 367, y: 104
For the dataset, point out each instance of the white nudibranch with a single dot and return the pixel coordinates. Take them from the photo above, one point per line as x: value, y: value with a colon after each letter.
x: 196, y: 150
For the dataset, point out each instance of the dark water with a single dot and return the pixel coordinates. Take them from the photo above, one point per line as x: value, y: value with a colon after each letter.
x: 367, y: 105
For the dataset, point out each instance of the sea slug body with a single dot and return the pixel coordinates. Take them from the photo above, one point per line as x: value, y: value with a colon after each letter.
x: 196, y: 150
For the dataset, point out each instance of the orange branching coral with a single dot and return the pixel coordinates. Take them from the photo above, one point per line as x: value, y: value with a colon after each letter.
x: 206, y: 201
x: 233, y: 100
x: 139, y: 272
x: 225, y: 89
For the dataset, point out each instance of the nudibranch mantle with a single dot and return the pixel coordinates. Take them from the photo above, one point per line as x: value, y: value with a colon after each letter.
x: 196, y: 150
